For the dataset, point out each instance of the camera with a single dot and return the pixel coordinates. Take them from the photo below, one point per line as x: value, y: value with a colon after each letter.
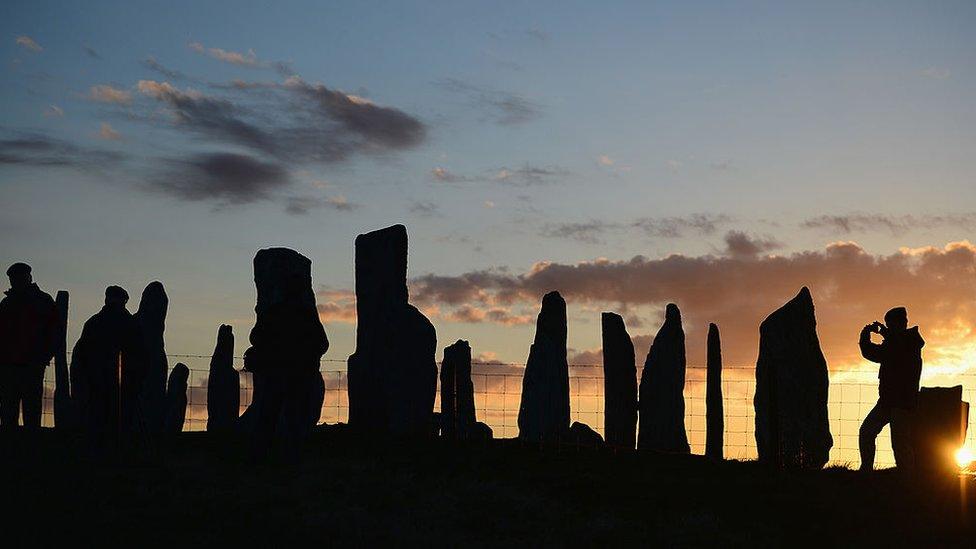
x: 879, y: 328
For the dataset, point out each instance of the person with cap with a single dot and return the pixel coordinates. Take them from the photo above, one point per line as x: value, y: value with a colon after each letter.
x: 900, y: 358
x: 28, y: 330
x: 108, y: 369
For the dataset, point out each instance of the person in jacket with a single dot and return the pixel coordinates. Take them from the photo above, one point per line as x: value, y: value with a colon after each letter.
x: 900, y: 358
x: 28, y: 328
x: 108, y: 371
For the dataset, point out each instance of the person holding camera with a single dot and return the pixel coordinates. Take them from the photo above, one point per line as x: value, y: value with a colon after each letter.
x: 900, y: 357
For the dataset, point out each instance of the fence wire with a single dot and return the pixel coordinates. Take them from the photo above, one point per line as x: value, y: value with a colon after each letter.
x: 498, y: 391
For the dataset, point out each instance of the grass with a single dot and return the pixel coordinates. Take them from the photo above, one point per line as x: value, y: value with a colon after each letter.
x: 200, y: 490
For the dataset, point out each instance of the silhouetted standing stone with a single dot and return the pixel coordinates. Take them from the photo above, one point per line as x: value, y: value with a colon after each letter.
x: 457, y: 392
x: 175, y: 414
x: 662, y: 384
x: 792, y: 429
x: 287, y: 343
x: 223, y: 384
x: 393, y: 373
x: 316, y: 399
x: 544, y: 410
x: 938, y: 427
x: 714, y: 409
x: 63, y: 416
x: 620, y: 383
x: 151, y: 317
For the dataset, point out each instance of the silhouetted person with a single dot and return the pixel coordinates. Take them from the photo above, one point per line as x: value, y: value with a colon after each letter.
x: 108, y: 363
x: 900, y: 357
x: 28, y: 332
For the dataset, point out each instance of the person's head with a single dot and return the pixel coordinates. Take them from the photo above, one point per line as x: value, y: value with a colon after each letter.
x: 19, y: 275
x: 897, y: 319
x: 115, y: 296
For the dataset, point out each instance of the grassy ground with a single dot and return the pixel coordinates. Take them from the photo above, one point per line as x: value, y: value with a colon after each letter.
x: 197, y: 490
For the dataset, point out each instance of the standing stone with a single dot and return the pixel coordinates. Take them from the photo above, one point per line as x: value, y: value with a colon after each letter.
x: 316, y: 399
x: 662, y: 384
x: 938, y: 428
x: 63, y: 418
x: 544, y: 410
x: 792, y: 429
x: 714, y: 409
x: 392, y: 375
x: 175, y: 414
x: 620, y: 383
x: 151, y: 317
x: 457, y: 392
x: 223, y: 384
x: 287, y: 343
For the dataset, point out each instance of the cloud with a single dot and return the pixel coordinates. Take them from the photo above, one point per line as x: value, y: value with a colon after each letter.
x: 850, y: 286
x: 501, y: 107
x: 591, y: 231
x: 298, y: 122
x: 605, y: 160
x: 29, y: 44
x: 529, y: 175
x: 301, y: 205
x: 107, y: 132
x: 445, y: 176
x: 896, y: 225
x: 425, y: 209
x: 152, y: 64
x: 588, y: 232
x: 248, y: 59
x: 226, y: 178
x: 936, y: 73
x: 90, y: 51
x: 104, y: 93
x: 740, y: 245
x: 336, y: 305
x: 39, y: 150
x: 53, y: 111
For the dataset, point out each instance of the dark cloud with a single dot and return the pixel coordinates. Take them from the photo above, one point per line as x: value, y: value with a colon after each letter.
x: 592, y: 231
x: 224, y: 178
x: 425, y: 209
x: 850, y: 286
x: 296, y: 121
x: 301, y: 205
x: 896, y: 225
x: 740, y: 245
x: 90, y: 51
x: 152, y: 64
x: 529, y: 174
x: 39, y: 150
x: 502, y: 107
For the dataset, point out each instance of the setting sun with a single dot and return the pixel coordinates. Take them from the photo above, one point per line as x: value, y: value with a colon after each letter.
x: 964, y: 457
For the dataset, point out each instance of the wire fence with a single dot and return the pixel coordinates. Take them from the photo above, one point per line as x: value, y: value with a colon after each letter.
x: 498, y: 391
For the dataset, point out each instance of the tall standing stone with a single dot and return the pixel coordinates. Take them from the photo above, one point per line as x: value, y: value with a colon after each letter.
x: 544, y: 410
x: 662, y: 384
x: 63, y: 417
x: 176, y: 401
x: 223, y: 384
x: 287, y: 343
x: 714, y: 409
x: 151, y: 317
x: 620, y: 383
x: 792, y: 428
x: 392, y: 375
x: 457, y: 391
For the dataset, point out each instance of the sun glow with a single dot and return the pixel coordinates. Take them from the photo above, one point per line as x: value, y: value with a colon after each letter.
x: 964, y: 457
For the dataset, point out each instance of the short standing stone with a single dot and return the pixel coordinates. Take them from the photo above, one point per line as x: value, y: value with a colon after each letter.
x: 176, y: 401
x: 63, y: 416
x: 620, y: 383
x: 792, y: 428
x: 714, y: 409
x: 938, y: 428
x: 223, y: 384
x: 457, y: 391
x: 662, y: 384
x: 544, y: 410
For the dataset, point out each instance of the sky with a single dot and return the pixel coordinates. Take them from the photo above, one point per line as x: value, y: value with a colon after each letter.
x: 715, y: 155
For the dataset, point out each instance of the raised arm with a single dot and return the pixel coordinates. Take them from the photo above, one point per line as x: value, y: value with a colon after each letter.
x: 869, y: 350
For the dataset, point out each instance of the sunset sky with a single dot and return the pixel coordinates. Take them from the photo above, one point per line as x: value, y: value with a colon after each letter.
x: 625, y: 154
